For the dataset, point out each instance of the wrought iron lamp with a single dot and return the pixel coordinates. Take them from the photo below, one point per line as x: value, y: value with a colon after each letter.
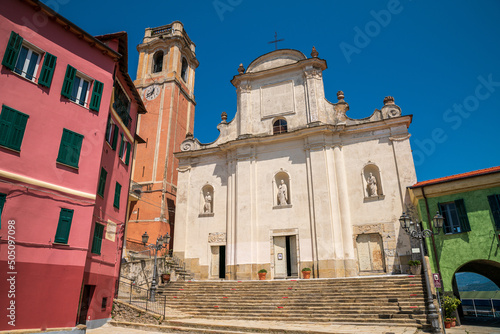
x: 415, y: 231
x: 161, y: 242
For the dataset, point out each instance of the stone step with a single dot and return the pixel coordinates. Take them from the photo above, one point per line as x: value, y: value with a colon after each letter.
x: 345, y: 320
x: 391, y: 299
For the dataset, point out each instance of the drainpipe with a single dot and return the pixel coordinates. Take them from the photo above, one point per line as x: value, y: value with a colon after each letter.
x: 432, y: 235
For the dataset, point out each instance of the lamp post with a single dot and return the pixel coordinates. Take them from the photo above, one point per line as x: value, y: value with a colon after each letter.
x: 161, y: 242
x: 415, y: 231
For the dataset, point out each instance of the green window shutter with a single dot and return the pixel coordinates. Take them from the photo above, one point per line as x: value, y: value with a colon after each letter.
x: 3, y: 198
x: 67, y: 87
x: 64, y: 226
x: 127, y: 159
x: 97, y: 242
x: 122, y: 142
x: 95, y: 101
x: 69, y: 150
x: 495, y: 209
x: 12, y: 127
x: 115, y: 136
x: 102, y: 182
x: 118, y: 189
x: 462, y: 215
x: 108, y: 127
x: 49, y: 65
x: 12, y: 51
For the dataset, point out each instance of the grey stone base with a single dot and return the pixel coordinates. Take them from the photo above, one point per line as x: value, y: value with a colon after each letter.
x: 91, y: 324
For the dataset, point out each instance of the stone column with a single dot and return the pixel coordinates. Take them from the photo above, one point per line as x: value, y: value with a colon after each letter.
x: 338, y: 247
x: 231, y: 219
x: 349, y: 259
x: 244, y: 108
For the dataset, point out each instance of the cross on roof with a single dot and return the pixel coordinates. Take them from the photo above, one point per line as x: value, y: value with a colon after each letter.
x: 276, y: 40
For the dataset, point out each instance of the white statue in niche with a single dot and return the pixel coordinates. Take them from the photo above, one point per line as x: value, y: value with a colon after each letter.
x: 282, y: 194
x: 207, y: 208
x: 372, y: 185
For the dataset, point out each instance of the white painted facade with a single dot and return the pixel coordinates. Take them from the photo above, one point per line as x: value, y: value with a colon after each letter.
x: 337, y: 219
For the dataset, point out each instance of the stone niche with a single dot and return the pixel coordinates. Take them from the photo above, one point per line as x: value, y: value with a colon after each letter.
x: 281, y: 190
x: 207, y: 201
x: 372, y: 182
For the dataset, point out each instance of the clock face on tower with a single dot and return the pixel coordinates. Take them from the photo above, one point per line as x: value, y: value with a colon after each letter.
x: 151, y: 92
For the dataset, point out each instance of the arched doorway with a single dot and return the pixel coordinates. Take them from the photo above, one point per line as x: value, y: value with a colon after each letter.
x: 477, y: 284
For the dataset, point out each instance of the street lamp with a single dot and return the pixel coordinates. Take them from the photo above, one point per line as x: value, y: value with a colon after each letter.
x: 415, y: 231
x: 161, y: 242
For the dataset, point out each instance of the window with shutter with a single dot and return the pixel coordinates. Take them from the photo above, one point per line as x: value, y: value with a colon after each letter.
x: 69, y: 150
x: 122, y: 146
x: 12, y: 51
x: 129, y: 147
x: 115, y: 136
x: 49, y: 65
x: 95, y: 101
x: 97, y: 241
x: 102, y: 182
x: 23, y: 58
x: 455, y: 217
x: 494, y: 201
x: 64, y: 226
x: 12, y: 127
x: 118, y: 189
x: 67, y: 87
x: 462, y: 215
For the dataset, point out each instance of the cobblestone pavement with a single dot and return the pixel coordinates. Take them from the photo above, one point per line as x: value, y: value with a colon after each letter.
x: 263, y: 325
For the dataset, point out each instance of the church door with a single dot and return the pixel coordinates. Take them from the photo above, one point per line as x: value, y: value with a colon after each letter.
x: 370, y: 253
x: 218, y: 262
x: 285, y: 256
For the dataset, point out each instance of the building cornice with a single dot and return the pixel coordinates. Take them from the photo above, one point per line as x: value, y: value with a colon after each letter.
x: 338, y: 131
x: 74, y: 29
x: 47, y: 185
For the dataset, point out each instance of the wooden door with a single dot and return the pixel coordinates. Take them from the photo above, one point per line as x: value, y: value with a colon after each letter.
x: 280, y: 268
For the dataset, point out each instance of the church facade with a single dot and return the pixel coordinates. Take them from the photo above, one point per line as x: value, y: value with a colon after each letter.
x: 292, y: 182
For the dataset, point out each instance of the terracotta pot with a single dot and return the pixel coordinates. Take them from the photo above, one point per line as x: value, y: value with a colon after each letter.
x: 453, y: 323
x: 262, y: 276
x: 447, y: 324
x: 165, y: 277
x: 306, y: 274
x: 416, y: 270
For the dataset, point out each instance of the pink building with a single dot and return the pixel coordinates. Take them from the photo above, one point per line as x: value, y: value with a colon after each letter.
x: 64, y: 178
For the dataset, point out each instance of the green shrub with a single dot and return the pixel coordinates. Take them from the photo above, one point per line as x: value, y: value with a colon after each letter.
x: 262, y: 271
x: 450, y: 304
x: 415, y: 263
x: 306, y: 269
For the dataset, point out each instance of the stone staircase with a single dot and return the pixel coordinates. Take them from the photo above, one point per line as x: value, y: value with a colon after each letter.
x: 387, y: 300
x: 177, y: 266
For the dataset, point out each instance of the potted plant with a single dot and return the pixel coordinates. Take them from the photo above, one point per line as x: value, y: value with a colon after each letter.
x: 306, y: 273
x: 415, y: 267
x: 450, y: 305
x: 165, y: 277
x: 262, y: 274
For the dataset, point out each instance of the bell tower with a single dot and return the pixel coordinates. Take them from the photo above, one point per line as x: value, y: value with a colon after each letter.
x: 165, y: 81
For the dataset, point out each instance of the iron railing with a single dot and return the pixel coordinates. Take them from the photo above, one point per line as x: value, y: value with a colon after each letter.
x: 141, y: 297
x: 481, y: 307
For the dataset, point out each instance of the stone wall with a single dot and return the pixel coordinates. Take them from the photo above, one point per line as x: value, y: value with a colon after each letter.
x: 130, y: 313
x: 141, y: 271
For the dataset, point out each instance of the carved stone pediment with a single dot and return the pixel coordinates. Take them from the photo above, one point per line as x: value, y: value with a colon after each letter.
x: 217, y: 237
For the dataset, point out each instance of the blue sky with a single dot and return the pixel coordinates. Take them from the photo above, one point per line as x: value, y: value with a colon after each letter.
x: 439, y: 59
